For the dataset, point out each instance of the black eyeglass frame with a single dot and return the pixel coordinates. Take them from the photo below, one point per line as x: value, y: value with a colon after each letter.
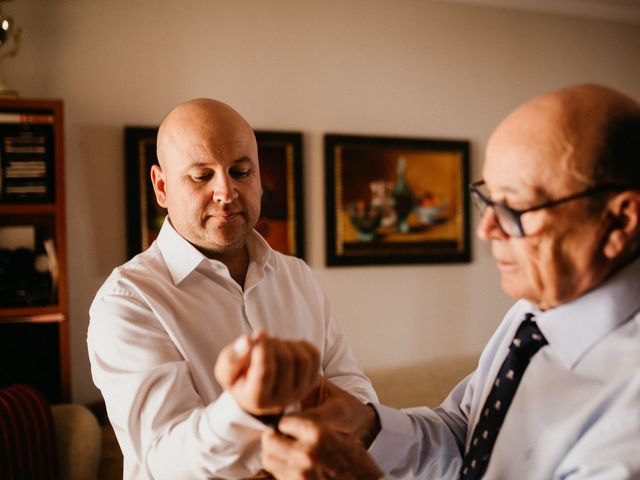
x: 483, y: 202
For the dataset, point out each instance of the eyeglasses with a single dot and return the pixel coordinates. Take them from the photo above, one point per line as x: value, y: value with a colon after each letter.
x: 510, y: 220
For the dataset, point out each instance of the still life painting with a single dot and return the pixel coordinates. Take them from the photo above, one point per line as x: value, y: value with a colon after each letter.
x: 396, y: 200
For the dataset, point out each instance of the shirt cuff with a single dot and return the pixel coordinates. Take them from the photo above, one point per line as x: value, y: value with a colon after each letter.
x: 231, y: 423
x: 396, y: 432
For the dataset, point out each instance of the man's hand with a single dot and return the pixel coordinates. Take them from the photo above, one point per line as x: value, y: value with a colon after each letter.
x: 306, y: 450
x: 265, y: 374
x: 340, y: 411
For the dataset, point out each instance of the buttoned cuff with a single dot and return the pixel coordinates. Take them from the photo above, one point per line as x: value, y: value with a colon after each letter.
x: 396, y: 432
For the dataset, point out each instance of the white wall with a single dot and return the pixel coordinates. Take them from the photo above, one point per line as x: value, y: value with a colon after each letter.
x: 403, y: 67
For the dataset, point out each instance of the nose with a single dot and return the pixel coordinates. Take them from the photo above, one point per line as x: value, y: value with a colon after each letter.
x: 488, y: 228
x: 224, y: 190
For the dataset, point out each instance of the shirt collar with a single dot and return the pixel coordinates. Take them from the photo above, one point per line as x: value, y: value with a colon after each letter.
x: 573, y: 328
x: 182, y: 258
x: 259, y: 250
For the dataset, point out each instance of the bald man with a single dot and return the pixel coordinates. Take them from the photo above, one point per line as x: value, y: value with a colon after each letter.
x: 160, y: 320
x: 556, y: 394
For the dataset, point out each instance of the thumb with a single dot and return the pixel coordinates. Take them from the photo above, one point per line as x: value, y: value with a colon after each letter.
x: 300, y: 428
x: 233, y: 361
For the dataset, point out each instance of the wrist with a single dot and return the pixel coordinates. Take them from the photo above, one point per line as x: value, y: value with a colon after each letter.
x: 371, y: 426
x: 270, y: 420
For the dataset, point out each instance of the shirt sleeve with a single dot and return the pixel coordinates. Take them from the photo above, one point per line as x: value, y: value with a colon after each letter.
x: 422, y: 442
x: 158, y: 416
x: 429, y: 443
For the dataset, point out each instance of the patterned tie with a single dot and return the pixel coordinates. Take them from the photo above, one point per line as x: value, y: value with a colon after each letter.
x: 527, y: 341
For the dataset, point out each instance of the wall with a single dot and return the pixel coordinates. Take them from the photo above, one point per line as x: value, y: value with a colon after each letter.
x: 405, y: 67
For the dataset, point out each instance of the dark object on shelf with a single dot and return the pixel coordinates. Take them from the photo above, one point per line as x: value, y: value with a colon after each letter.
x: 20, y: 283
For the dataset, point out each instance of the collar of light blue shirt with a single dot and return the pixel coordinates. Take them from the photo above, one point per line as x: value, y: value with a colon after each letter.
x: 573, y: 328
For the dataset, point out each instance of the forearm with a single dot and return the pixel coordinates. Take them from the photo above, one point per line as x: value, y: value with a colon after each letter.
x: 166, y: 431
x: 219, y: 440
x: 416, y: 443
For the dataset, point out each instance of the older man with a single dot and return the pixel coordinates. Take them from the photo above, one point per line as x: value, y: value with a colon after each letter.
x: 556, y: 393
x: 160, y: 320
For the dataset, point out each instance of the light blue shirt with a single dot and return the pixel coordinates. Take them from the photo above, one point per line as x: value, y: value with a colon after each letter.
x: 575, y: 415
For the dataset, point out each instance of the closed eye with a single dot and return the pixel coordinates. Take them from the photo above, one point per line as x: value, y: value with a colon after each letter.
x: 240, y: 173
x: 201, y: 178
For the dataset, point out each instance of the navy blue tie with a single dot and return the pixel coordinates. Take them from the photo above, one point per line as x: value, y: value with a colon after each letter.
x: 526, y: 343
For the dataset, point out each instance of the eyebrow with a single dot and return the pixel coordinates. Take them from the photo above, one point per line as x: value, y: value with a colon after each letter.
x: 540, y: 192
x: 242, y: 160
x: 207, y: 165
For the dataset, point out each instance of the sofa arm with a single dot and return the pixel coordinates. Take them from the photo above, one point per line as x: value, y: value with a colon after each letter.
x: 78, y: 442
x: 421, y: 384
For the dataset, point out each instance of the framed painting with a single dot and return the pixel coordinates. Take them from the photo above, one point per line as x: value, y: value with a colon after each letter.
x: 392, y: 200
x: 281, y: 222
x: 144, y: 215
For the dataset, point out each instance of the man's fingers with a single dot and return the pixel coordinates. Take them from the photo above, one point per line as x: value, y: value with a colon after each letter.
x: 302, y: 429
x: 265, y: 374
x: 285, y: 457
x: 307, y: 368
x: 262, y: 373
x: 285, y: 370
x: 314, y: 452
x: 287, y: 365
x: 233, y: 361
x: 277, y: 445
x: 317, y: 394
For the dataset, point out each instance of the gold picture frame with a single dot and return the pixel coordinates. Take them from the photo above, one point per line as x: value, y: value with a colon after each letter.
x: 392, y: 200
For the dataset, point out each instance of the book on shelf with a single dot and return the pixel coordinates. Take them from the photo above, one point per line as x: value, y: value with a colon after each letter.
x: 28, y: 118
x: 26, y: 157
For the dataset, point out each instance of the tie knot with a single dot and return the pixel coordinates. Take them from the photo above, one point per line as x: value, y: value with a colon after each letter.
x: 528, y: 339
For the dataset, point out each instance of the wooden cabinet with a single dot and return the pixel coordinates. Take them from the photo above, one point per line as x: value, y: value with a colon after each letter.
x: 34, y: 324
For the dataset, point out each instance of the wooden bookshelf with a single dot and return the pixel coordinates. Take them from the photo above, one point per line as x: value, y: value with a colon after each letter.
x: 34, y: 323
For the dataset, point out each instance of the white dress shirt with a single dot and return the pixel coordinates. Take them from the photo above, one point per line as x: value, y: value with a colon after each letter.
x: 575, y: 415
x: 157, y: 325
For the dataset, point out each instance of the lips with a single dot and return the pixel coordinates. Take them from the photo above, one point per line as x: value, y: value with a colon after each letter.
x: 227, y: 215
x: 504, y: 265
x: 224, y: 217
x: 502, y: 259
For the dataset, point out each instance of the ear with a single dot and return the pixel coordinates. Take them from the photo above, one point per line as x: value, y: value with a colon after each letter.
x: 623, y: 238
x: 159, y: 185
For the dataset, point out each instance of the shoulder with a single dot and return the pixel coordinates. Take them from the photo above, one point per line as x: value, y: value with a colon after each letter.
x: 135, y: 274
x: 289, y: 264
x: 294, y: 272
x: 622, y: 347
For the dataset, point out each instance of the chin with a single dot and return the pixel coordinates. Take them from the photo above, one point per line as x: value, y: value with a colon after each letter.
x: 514, y: 289
x: 226, y: 244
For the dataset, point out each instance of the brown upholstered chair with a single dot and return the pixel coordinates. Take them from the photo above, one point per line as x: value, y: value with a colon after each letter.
x: 41, y: 442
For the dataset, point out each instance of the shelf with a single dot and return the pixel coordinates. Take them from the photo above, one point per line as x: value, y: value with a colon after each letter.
x: 46, y: 314
x: 16, y: 209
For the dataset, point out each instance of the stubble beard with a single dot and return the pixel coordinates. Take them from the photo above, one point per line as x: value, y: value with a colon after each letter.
x: 219, y: 242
